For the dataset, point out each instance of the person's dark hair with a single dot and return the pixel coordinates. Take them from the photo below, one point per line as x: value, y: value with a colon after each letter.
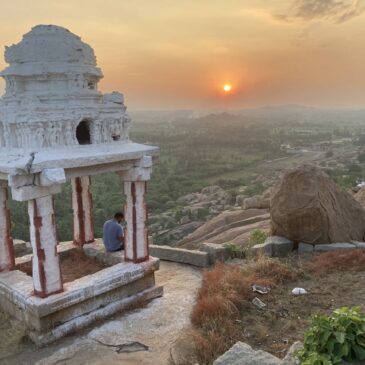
x: 119, y: 215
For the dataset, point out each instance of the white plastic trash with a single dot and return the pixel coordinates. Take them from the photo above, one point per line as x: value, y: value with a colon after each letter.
x: 299, y: 291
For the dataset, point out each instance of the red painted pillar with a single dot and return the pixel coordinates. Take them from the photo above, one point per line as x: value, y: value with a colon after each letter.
x: 47, y: 277
x: 83, y: 223
x: 136, y: 237
x: 7, y: 259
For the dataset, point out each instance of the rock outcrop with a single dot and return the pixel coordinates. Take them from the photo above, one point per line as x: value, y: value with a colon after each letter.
x: 229, y: 226
x: 256, y: 202
x: 308, y: 206
x: 360, y: 196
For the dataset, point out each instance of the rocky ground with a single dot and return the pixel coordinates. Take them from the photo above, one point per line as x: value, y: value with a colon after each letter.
x: 189, y: 213
x: 157, y: 326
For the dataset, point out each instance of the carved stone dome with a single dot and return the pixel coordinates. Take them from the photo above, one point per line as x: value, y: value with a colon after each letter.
x: 51, y: 94
x: 50, y: 49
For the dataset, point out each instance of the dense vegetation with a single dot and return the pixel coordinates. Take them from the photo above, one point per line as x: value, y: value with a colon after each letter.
x: 333, y: 338
x: 223, y: 149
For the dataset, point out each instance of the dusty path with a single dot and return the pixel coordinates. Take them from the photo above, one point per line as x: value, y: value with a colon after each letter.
x: 157, y: 326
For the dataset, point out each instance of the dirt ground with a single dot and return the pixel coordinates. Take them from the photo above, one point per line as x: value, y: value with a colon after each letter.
x: 74, y: 265
x: 286, y: 316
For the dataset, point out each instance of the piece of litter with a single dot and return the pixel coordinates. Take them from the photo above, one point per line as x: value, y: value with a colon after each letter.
x: 299, y: 291
x: 258, y: 303
x: 260, y: 289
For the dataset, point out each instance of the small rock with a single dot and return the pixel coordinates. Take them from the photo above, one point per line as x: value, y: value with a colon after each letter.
x: 243, y: 354
x: 290, y: 358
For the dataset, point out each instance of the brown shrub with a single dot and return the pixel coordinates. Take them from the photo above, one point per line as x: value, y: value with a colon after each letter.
x: 353, y: 260
x: 273, y: 269
x: 225, y: 296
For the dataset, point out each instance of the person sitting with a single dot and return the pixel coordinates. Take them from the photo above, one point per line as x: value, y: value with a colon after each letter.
x: 113, y: 233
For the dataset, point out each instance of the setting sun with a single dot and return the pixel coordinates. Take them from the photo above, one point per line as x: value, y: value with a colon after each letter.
x: 227, y: 88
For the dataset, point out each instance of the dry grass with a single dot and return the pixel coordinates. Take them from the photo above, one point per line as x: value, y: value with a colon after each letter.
x: 74, y: 265
x: 353, y: 260
x: 225, y: 294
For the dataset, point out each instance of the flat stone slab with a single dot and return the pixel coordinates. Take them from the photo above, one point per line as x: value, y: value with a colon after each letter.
x: 360, y: 245
x: 334, y: 247
x: 13, y: 161
x: 196, y: 258
x: 98, y: 314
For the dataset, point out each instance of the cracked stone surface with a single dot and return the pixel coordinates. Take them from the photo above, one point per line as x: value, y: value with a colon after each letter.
x: 157, y: 326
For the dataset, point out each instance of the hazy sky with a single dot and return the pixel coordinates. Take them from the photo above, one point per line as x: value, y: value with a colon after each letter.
x: 179, y: 53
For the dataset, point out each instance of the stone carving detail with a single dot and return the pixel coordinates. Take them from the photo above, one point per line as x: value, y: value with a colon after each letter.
x: 51, y: 86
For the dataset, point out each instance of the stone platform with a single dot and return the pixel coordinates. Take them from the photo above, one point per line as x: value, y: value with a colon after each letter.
x: 92, y: 297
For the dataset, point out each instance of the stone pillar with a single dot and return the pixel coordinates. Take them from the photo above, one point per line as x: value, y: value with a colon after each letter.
x: 135, y: 184
x: 47, y: 278
x: 7, y: 260
x: 136, y: 237
x: 82, y: 205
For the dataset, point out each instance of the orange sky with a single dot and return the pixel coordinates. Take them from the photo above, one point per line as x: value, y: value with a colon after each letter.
x: 179, y: 53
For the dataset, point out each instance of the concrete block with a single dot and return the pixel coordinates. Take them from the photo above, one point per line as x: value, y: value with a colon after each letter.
x: 281, y: 246
x: 358, y: 244
x: 196, y: 258
x: 333, y: 247
x: 305, y: 248
x: 263, y: 248
x: 215, y: 251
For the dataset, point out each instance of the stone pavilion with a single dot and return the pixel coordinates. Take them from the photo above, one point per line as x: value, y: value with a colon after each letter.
x: 55, y: 126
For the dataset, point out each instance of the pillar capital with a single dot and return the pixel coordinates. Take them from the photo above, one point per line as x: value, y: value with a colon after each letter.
x: 141, y: 170
x: 34, y: 186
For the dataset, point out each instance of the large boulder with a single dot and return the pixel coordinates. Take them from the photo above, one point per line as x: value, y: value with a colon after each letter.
x: 308, y: 206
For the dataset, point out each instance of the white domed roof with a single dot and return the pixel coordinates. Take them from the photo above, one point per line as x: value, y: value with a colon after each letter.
x: 50, y: 49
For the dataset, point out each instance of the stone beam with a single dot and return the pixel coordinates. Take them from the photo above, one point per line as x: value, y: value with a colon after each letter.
x: 98, y: 169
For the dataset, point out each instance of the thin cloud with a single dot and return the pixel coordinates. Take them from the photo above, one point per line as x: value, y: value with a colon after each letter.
x: 334, y: 11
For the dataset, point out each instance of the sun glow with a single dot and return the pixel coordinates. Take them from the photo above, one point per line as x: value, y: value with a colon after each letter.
x: 227, y: 88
